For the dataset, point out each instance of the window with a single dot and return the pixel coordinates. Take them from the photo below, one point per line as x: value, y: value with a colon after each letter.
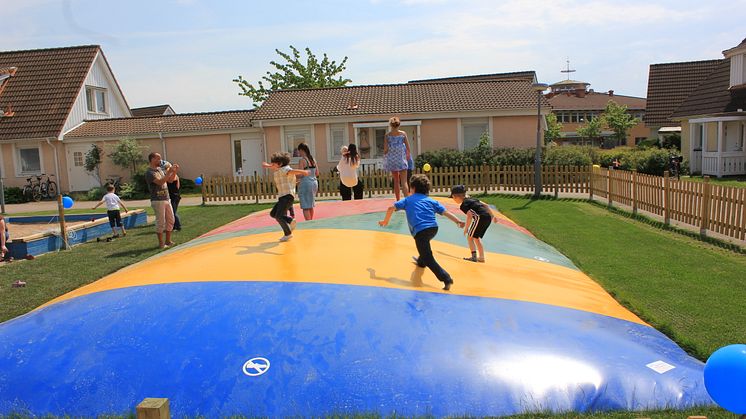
x: 472, y: 130
x: 78, y: 159
x: 96, y: 100
x: 337, y: 138
x: 29, y: 160
x: 295, y: 135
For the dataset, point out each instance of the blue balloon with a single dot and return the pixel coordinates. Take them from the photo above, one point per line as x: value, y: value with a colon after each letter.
x: 198, y: 181
x: 725, y: 378
x: 67, y: 202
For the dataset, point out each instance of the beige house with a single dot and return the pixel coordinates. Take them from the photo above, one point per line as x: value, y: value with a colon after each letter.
x: 45, y: 93
x: 57, y: 103
x: 435, y: 115
x: 209, y: 144
x: 713, y: 118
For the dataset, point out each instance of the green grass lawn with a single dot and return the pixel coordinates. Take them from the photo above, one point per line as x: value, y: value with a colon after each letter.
x: 737, y: 182
x: 55, y: 274
x: 691, y: 290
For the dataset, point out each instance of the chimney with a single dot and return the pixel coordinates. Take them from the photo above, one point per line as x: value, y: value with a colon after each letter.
x: 611, y: 93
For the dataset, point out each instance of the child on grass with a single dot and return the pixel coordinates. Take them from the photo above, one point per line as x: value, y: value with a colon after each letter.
x: 478, y: 220
x: 285, y: 181
x: 421, y: 210
x: 113, y: 202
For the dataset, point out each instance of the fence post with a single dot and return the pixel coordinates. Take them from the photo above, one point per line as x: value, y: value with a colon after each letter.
x: 609, y: 183
x: 556, y: 181
x: 634, y: 191
x: 256, y: 187
x: 666, y: 199
x: 152, y: 408
x: 591, y: 174
x: 705, y: 207
x: 485, y: 178
x: 202, y: 189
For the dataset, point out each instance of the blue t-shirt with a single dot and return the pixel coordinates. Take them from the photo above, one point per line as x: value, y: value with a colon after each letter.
x: 421, y: 210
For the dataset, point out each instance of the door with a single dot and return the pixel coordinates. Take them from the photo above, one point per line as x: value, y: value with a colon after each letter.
x: 248, y: 153
x: 79, y: 178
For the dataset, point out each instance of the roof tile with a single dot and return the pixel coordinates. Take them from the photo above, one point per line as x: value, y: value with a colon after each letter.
x: 43, y: 90
x: 670, y: 84
x: 398, y: 99
x: 152, y: 125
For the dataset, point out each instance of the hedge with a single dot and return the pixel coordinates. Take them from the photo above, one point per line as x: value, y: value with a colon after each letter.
x: 651, y: 161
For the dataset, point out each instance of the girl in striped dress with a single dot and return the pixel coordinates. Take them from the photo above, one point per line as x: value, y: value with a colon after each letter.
x: 396, y: 152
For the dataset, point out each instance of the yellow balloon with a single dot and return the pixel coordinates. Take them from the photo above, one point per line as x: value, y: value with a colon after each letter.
x: 426, y: 167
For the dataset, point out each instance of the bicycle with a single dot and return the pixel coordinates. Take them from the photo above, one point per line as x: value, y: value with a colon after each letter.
x: 674, y: 166
x: 48, y: 187
x: 31, y: 191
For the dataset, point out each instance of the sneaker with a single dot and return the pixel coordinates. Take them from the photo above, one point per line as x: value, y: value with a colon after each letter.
x: 170, y: 244
x: 286, y: 238
x: 447, y: 285
x: 292, y: 225
x: 471, y: 259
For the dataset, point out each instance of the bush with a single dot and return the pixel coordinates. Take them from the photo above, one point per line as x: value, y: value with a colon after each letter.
x: 95, y: 194
x: 188, y: 186
x: 127, y: 191
x: 652, y: 161
x: 508, y: 156
x: 14, y: 195
x: 567, y: 156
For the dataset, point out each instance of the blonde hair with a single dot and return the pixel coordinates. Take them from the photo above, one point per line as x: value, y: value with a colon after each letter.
x: 394, y: 122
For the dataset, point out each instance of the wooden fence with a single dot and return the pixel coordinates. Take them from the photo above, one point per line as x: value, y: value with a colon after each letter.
x: 715, y: 208
x: 477, y: 179
x: 710, y: 207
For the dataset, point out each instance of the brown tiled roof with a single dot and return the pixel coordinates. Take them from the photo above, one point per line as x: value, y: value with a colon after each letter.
x: 594, y: 101
x: 516, y: 75
x: 43, y: 90
x: 670, y: 84
x: 156, y: 110
x: 712, y: 96
x: 399, y: 99
x: 178, y: 123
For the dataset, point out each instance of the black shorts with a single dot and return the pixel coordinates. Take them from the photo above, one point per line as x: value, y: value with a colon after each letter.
x: 479, y: 226
x: 114, y: 218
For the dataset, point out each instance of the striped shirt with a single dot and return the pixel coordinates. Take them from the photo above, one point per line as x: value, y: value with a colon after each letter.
x: 284, y: 181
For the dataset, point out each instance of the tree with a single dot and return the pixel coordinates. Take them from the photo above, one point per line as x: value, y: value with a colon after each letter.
x: 93, y: 161
x: 295, y: 75
x: 128, y: 154
x: 618, y: 120
x: 591, y: 129
x: 554, y: 129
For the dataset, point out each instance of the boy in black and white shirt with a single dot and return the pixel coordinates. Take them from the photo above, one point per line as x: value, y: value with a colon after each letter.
x: 478, y: 219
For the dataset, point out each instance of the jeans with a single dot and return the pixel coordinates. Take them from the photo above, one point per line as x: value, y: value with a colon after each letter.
x: 280, y: 210
x: 175, y: 204
x: 426, y: 258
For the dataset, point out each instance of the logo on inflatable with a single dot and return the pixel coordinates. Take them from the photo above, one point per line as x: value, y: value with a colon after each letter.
x: 256, y: 366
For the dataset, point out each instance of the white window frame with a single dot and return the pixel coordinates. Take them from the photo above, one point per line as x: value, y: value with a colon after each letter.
x: 285, y: 129
x: 93, y: 90
x: 17, y: 159
x: 473, y: 122
x: 332, y: 152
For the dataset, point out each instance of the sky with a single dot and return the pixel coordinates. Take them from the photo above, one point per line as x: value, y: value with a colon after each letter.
x: 187, y: 52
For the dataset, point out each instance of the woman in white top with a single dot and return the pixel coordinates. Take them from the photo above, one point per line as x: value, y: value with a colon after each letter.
x: 347, y: 167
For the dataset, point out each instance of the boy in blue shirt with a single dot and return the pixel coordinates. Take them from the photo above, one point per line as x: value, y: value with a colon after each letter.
x: 421, y: 210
